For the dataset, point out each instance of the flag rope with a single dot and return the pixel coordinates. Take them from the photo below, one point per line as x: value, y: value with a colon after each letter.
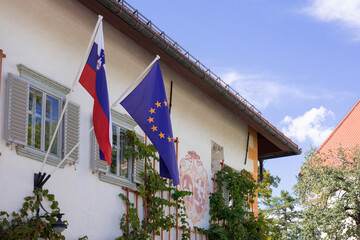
x: 112, y: 106
x: 72, y: 88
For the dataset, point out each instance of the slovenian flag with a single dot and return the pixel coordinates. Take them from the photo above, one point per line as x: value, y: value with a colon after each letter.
x: 93, y: 79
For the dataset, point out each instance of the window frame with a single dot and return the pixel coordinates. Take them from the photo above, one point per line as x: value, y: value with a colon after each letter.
x: 119, y: 150
x: 60, y: 137
x: 21, y: 84
x: 121, y: 121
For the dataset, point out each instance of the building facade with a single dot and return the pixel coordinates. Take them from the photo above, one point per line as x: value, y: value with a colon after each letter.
x: 44, y: 42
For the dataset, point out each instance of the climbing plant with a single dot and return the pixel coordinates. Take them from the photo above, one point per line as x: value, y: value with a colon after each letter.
x: 24, y: 225
x: 230, y: 213
x: 156, y: 218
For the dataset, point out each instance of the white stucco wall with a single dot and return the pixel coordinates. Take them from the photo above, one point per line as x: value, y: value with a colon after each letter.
x: 50, y: 37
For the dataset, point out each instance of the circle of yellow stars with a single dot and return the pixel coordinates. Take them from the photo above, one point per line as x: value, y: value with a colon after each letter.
x: 151, y: 119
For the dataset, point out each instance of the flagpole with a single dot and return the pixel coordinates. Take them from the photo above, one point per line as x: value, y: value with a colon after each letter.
x: 72, y: 88
x: 112, y: 106
x: 134, y: 82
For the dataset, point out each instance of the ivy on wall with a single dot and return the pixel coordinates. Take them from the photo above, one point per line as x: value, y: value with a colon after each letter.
x: 156, y: 218
x: 24, y: 225
x: 233, y: 219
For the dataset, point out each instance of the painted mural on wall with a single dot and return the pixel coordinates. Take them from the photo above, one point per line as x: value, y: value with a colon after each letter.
x: 194, y: 178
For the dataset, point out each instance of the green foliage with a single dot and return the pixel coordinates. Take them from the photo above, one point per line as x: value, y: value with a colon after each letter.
x: 329, y: 189
x: 234, y: 220
x: 134, y: 228
x: 265, y: 187
x: 283, y: 219
x: 25, y: 224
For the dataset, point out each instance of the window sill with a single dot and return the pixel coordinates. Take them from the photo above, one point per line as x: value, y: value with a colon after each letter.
x: 39, y: 155
x: 116, y: 180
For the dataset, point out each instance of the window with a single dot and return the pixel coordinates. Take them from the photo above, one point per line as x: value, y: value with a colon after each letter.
x: 119, y: 164
x: 34, y: 104
x: 121, y: 172
x: 217, y: 156
x: 43, y: 115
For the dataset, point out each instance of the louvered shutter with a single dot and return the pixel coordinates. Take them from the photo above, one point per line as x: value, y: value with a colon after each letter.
x: 98, y: 164
x: 225, y: 189
x: 139, y: 167
x: 72, y: 131
x: 17, y: 106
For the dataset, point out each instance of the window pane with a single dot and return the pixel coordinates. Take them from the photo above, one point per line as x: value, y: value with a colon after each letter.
x: 34, y: 119
x: 51, y: 120
x: 114, y: 152
x: 114, y: 135
x: 30, y: 129
x: 113, y: 166
x: 37, y: 142
x: 123, y: 161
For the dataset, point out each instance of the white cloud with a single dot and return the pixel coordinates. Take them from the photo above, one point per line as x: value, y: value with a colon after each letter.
x: 262, y: 91
x: 345, y: 12
x: 309, y: 126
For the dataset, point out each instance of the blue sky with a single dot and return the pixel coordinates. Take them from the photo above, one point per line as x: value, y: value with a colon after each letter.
x: 297, y: 61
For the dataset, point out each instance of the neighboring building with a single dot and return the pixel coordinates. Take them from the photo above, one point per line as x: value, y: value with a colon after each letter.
x: 44, y: 42
x: 345, y: 137
x: 346, y: 134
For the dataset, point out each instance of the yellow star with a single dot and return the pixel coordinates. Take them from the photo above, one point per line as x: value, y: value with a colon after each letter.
x: 158, y: 104
x: 170, y: 139
x: 165, y: 103
x: 152, y: 110
x: 154, y: 128
x: 150, y: 120
x: 161, y: 135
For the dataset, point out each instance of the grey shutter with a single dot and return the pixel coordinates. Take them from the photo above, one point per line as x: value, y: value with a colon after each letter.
x: 225, y: 189
x: 72, y: 131
x: 17, y: 108
x: 139, y: 167
x: 97, y: 163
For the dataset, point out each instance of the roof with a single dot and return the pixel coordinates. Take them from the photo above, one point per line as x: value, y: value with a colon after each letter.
x: 346, y: 133
x: 272, y: 142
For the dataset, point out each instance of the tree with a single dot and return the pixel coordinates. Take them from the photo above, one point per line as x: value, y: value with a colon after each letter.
x: 265, y: 186
x: 329, y: 190
x: 283, y: 218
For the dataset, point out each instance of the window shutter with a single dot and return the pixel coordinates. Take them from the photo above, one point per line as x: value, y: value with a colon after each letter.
x: 72, y: 131
x: 17, y: 108
x: 139, y: 167
x: 98, y: 164
x: 225, y: 189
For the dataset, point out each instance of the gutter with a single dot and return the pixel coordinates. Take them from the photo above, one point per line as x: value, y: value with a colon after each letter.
x: 144, y: 26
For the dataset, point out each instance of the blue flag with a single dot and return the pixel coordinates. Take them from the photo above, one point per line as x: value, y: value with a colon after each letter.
x: 148, y: 106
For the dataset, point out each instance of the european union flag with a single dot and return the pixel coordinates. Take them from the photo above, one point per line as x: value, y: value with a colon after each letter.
x: 148, y: 106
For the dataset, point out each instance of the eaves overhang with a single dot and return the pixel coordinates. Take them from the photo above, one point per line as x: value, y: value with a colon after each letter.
x: 272, y: 142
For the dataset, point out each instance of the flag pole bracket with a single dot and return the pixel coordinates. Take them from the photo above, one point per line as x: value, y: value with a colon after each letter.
x: 40, y: 179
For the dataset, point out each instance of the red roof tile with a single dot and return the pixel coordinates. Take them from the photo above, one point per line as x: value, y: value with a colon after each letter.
x: 346, y: 134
